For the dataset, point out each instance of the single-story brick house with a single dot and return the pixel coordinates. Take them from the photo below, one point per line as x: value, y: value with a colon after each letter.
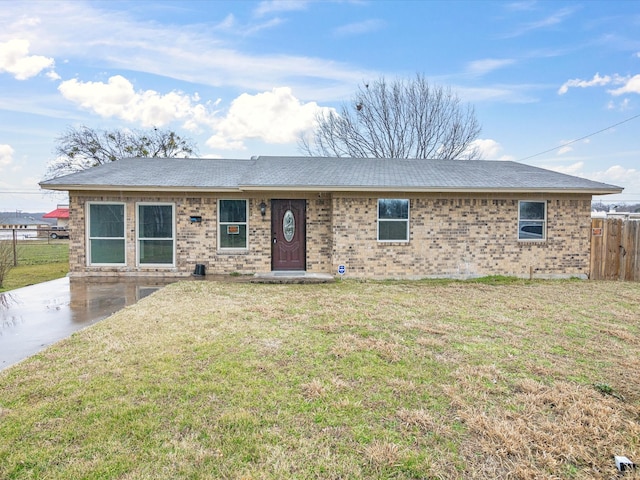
x: 379, y: 218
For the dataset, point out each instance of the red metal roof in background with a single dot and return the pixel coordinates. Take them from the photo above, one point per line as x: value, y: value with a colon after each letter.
x: 58, y: 213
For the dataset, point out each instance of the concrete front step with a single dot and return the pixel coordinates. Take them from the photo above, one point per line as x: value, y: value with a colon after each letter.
x: 292, y: 277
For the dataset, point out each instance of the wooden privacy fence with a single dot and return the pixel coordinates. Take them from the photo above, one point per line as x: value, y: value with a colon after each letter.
x: 615, y: 249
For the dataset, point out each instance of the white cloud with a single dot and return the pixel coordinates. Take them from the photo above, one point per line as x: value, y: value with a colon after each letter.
x: 622, y: 106
x: 275, y: 6
x: 573, y: 169
x: 497, y: 93
x: 52, y: 75
x: 631, y: 85
x: 15, y: 59
x: 628, y: 178
x: 274, y: 117
x: 359, y: 28
x: 553, y: 19
x: 117, y: 98
x: 549, y: 21
x: 521, y: 6
x: 566, y: 146
x: 565, y: 149
x: 597, y: 80
x: 487, y: 65
x: 6, y: 155
x: 489, y: 149
x: 620, y: 176
x: 116, y: 40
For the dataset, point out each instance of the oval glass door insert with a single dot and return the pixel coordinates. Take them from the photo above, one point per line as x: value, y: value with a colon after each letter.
x: 288, y: 225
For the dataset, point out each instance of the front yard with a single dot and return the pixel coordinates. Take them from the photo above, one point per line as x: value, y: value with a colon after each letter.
x: 348, y: 380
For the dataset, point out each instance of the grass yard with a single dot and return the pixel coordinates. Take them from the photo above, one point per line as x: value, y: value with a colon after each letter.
x: 40, y: 252
x: 447, y: 380
x: 38, y: 261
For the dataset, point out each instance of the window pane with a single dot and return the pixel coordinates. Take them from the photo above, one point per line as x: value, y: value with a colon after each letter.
x: 230, y: 239
x: 390, y: 208
x: 392, y: 230
x: 107, y: 251
x: 233, y: 211
x: 155, y: 221
x: 106, y: 220
x: 531, y: 230
x: 531, y: 210
x: 156, y: 251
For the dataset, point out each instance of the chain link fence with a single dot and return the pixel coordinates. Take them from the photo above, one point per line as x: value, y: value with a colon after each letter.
x: 33, y: 246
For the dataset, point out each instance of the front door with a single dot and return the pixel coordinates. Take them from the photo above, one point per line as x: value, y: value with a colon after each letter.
x: 288, y: 234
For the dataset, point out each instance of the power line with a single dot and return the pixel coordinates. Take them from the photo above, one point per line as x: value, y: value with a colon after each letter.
x: 25, y: 192
x: 581, y: 138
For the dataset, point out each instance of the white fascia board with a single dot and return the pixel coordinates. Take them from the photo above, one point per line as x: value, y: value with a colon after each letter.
x: 323, y: 188
x: 133, y: 188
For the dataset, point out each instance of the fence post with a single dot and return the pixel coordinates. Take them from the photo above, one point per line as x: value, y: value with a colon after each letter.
x: 15, y: 250
x: 596, y: 237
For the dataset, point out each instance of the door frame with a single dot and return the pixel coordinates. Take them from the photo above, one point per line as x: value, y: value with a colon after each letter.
x: 276, y: 230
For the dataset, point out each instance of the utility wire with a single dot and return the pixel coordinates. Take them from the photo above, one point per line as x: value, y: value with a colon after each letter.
x: 25, y: 192
x: 581, y: 138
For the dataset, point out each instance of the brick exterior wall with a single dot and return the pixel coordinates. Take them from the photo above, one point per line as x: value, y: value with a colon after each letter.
x: 462, y: 236
x: 450, y: 236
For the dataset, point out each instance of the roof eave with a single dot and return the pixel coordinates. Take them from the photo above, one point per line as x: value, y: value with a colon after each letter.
x: 136, y: 188
x: 329, y: 188
x: 396, y: 188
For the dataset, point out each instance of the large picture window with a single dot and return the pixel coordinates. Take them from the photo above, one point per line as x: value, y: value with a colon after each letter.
x: 532, y: 220
x: 232, y: 224
x: 105, y: 227
x: 393, y: 220
x: 156, y: 239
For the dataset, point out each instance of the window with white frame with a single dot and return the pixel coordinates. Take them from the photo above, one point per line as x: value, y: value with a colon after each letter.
x: 232, y: 224
x: 532, y: 220
x: 105, y: 231
x: 393, y: 220
x: 156, y: 233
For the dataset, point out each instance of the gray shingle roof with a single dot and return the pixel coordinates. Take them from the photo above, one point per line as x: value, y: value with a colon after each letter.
x: 323, y: 174
x: 161, y: 173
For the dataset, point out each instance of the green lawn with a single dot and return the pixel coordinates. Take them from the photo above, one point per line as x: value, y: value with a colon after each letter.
x: 350, y: 380
x: 40, y: 252
x: 38, y: 261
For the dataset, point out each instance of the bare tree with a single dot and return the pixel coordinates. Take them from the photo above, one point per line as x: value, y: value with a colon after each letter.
x: 402, y: 119
x: 81, y: 148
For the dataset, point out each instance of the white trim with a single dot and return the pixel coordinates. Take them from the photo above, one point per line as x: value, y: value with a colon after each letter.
x: 88, y: 238
x: 407, y: 220
x: 544, y: 222
x: 221, y: 249
x: 172, y: 238
x: 329, y: 188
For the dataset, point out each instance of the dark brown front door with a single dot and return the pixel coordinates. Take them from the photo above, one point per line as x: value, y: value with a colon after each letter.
x: 288, y: 234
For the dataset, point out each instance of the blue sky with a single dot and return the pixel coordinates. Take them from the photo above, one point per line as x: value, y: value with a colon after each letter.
x: 246, y: 78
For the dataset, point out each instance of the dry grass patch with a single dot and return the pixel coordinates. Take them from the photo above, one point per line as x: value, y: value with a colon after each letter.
x: 313, y: 390
x: 382, y: 455
x: 347, y: 344
x: 562, y: 428
x: 425, y: 421
x: 350, y: 380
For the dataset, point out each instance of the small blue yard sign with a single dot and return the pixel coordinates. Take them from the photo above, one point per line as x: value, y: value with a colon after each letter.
x: 341, y: 269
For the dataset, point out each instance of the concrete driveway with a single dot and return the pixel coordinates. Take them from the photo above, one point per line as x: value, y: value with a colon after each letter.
x: 34, y: 317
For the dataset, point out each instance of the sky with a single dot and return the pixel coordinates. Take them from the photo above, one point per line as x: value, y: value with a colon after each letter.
x: 554, y: 84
